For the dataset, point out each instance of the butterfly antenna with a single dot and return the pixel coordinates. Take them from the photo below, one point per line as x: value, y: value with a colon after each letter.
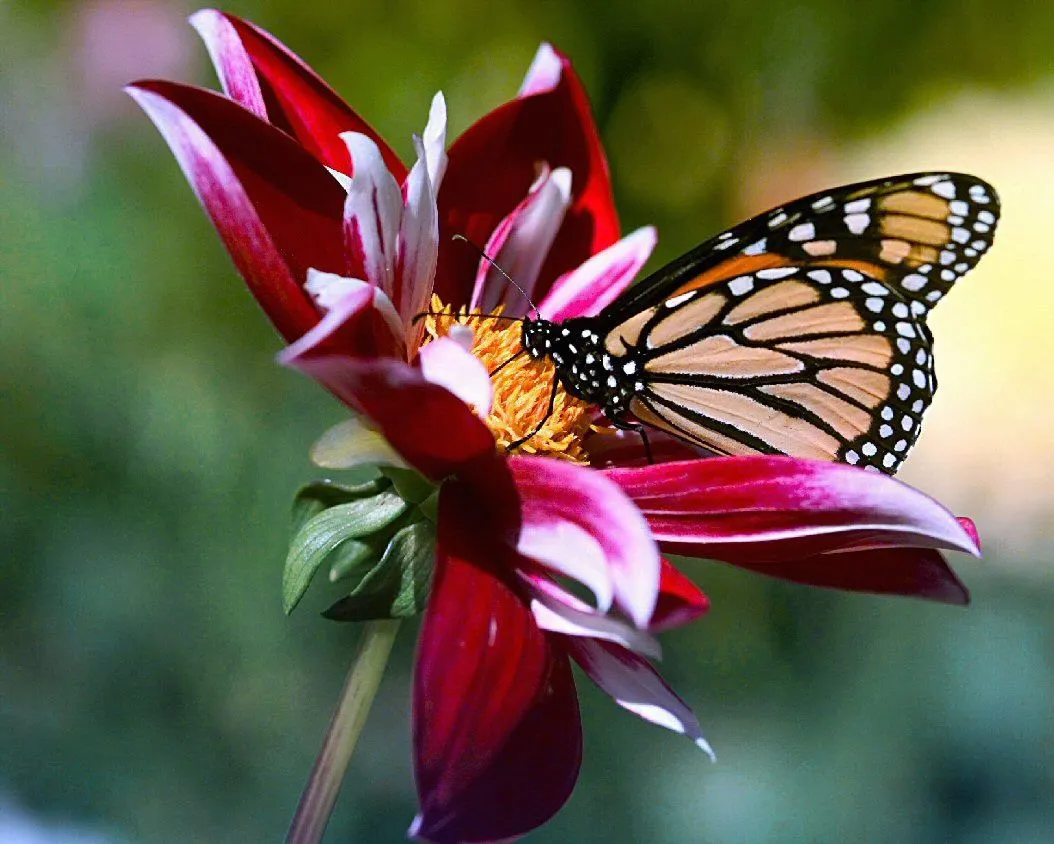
x: 494, y: 264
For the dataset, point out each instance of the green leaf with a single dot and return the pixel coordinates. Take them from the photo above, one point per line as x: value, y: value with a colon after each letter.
x: 317, y: 496
x: 398, y: 586
x: 408, y: 483
x: 325, y: 531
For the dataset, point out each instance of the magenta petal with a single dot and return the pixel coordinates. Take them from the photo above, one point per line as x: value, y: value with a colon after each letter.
x: 262, y: 74
x: 493, y: 164
x: 428, y: 425
x: 680, y: 600
x: 560, y: 499
x: 778, y: 508
x: 276, y: 208
x: 916, y: 572
x: 497, y: 736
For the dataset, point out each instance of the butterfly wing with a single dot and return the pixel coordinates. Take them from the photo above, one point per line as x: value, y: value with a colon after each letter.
x: 802, y: 331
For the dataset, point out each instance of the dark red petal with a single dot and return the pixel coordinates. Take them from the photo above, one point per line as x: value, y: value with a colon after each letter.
x: 917, y: 572
x: 428, y: 425
x: 278, y: 211
x: 497, y: 735
x: 680, y: 600
x: 260, y: 72
x: 492, y: 166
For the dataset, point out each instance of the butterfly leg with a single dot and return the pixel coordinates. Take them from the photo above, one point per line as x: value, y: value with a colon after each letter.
x: 624, y: 425
x: 544, y: 419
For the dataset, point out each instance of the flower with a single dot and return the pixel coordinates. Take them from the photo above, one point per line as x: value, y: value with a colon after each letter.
x: 343, y: 246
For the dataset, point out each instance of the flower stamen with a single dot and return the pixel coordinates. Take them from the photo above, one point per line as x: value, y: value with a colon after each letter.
x: 522, y: 387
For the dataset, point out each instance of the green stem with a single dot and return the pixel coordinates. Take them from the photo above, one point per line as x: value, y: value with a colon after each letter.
x: 316, y: 803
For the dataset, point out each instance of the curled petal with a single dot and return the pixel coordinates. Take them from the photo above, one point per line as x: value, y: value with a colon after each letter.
x: 560, y: 500
x: 358, y: 325
x: 558, y: 611
x: 588, y: 289
x: 494, y: 163
x: 544, y: 73
x: 260, y: 73
x: 433, y: 430
x: 636, y: 686
x: 276, y: 208
x: 372, y: 214
x: 447, y: 363
x: 520, y: 243
x: 680, y: 600
x: 494, y: 704
x: 350, y: 444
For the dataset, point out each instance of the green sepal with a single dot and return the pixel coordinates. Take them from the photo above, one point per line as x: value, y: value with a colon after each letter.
x: 325, y: 531
x: 311, y: 499
x: 410, y: 485
x: 397, y: 586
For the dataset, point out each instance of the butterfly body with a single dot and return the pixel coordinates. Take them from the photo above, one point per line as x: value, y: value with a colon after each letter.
x: 801, y: 331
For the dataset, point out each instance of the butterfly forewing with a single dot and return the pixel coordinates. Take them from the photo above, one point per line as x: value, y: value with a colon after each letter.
x: 802, y: 331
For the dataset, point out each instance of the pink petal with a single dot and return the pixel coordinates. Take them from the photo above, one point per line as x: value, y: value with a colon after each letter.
x: 262, y: 74
x: 777, y: 513
x: 636, y: 686
x: 497, y: 737
x: 520, y: 244
x: 276, y: 208
x: 680, y: 600
x: 429, y: 426
x: 434, y: 141
x: 447, y: 363
x: 493, y: 164
x: 372, y: 214
x: 418, y: 246
x: 588, y: 289
x: 559, y: 499
x: 558, y: 611
x: 610, y: 448
x: 544, y: 73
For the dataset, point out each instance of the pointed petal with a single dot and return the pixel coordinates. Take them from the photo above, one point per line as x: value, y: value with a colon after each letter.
x: 562, y: 501
x: 447, y: 363
x: 266, y: 77
x: 588, y: 289
x: 680, y: 600
x: 635, y: 685
x: 276, y: 208
x: 558, y: 611
x: 520, y: 244
x: 433, y: 430
x: 372, y: 214
x: 779, y: 513
x: 418, y: 247
x: 435, y: 141
x: 493, y: 164
x: 494, y: 705
x: 544, y: 73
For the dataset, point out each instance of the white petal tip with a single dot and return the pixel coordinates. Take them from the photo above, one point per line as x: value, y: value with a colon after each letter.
x: 704, y: 746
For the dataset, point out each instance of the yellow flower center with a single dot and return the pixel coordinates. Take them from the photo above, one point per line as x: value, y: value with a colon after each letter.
x: 521, y: 387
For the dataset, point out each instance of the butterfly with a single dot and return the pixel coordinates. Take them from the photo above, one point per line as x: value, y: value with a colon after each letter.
x: 801, y: 331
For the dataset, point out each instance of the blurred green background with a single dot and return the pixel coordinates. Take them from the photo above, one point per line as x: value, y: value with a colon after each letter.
x: 150, y: 687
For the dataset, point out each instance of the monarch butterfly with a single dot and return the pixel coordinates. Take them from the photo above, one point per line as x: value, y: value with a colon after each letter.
x: 801, y: 331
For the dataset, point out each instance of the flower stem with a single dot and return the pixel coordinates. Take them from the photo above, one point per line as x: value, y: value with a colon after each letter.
x: 316, y: 802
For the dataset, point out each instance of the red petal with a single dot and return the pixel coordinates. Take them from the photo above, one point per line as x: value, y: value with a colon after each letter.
x: 260, y: 72
x: 428, y: 425
x: 278, y: 211
x: 497, y: 736
x: 492, y: 166
x: 680, y: 600
x: 775, y: 514
x: 918, y: 572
